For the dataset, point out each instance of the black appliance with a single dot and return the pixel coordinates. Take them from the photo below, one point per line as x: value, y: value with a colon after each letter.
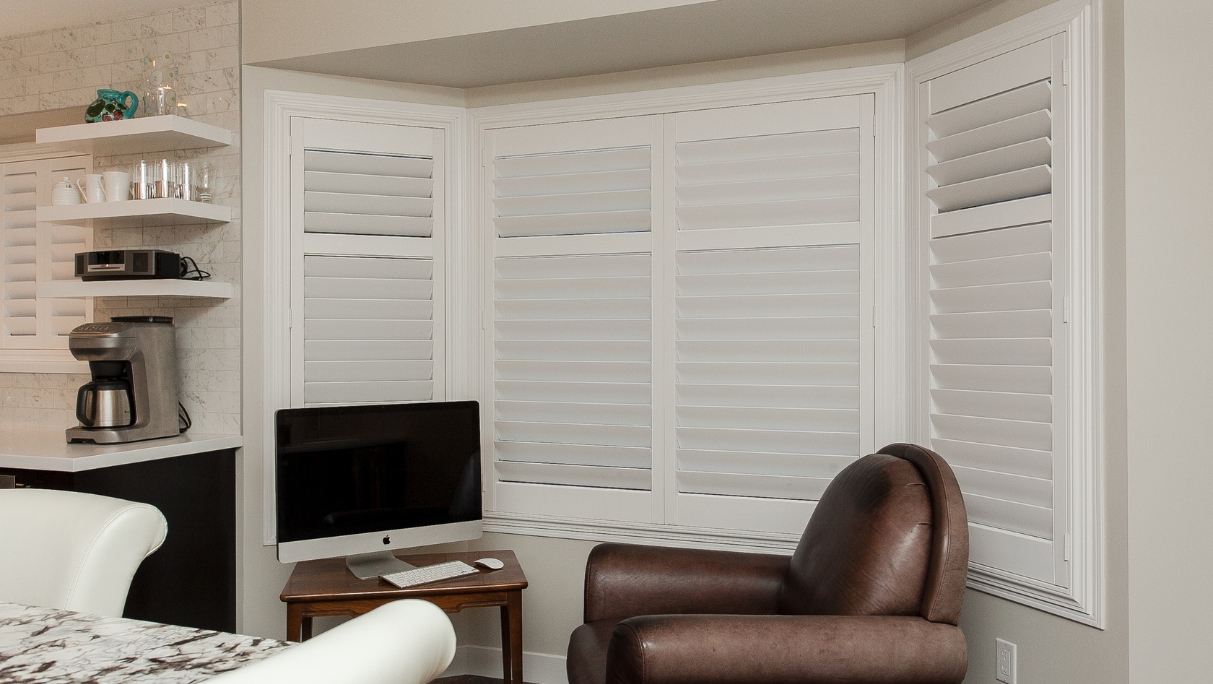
x: 125, y: 264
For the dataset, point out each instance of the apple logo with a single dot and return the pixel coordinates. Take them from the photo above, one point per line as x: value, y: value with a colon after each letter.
x: 387, y: 539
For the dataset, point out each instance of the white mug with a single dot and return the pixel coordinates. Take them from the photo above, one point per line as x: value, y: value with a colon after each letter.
x: 117, y: 185
x: 91, y: 188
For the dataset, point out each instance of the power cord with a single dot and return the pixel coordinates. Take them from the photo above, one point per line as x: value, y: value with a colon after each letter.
x: 184, y: 417
x: 190, y: 270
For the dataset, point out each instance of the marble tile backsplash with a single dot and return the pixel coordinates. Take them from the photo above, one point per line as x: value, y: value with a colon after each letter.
x: 64, y: 68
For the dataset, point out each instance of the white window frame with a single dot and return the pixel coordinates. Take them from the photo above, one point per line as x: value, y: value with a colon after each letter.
x: 1080, y: 20
x: 886, y: 85
x: 56, y: 359
x: 275, y: 259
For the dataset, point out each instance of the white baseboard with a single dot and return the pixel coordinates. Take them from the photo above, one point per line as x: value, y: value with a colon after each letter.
x: 538, y: 668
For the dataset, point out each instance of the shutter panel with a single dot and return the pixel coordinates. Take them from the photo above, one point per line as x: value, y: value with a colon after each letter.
x: 34, y: 252
x: 57, y: 249
x: 995, y: 292
x: 368, y: 270
x: 20, y: 245
x: 367, y: 194
x: 570, y: 210
x: 369, y: 329
x: 773, y: 270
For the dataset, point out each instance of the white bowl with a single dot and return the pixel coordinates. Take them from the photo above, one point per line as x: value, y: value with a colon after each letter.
x: 62, y: 196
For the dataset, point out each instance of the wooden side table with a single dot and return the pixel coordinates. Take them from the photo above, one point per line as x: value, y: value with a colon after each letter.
x: 327, y: 587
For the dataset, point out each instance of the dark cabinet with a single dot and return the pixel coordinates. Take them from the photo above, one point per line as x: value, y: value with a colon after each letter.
x: 191, y: 579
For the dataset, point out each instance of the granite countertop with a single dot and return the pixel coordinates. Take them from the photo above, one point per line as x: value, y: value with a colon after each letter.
x: 47, y: 449
x: 45, y: 645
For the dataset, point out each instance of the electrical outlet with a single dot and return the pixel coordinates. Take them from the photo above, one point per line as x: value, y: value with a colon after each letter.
x: 1004, y: 664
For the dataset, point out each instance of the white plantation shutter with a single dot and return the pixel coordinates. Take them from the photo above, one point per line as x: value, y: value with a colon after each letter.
x: 368, y: 208
x: 20, y: 244
x: 996, y: 339
x: 570, y: 209
x: 773, y: 337
x: 32, y: 253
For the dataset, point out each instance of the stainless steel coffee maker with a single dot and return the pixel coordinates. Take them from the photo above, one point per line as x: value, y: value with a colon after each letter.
x: 133, y: 392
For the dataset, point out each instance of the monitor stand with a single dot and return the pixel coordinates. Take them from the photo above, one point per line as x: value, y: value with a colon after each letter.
x: 372, y: 565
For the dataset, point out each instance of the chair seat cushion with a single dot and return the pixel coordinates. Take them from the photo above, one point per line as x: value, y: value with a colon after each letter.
x: 588, y: 652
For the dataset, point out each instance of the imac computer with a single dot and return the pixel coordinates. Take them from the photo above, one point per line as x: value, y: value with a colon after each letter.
x: 360, y: 481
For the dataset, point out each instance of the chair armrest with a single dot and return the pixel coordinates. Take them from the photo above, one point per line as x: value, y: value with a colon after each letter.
x: 702, y: 649
x: 403, y: 642
x: 623, y: 580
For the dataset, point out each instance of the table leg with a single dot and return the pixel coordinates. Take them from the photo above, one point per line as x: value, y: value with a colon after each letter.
x: 294, y: 622
x: 511, y: 639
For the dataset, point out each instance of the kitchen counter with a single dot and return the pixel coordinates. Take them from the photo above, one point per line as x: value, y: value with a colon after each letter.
x: 47, y: 449
x: 191, y: 479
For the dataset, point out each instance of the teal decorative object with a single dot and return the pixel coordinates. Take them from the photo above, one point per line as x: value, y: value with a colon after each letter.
x: 111, y: 105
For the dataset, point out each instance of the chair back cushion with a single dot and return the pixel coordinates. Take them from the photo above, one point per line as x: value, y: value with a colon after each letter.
x: 71, y: 550
x: 949, y: 568
x: 867, y: 547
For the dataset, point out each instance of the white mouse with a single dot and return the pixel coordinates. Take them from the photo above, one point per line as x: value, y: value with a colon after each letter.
x: 489, y: 563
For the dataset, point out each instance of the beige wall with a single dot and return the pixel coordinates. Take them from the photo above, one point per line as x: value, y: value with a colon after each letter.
x: 742, y: 68
x: 974, y: 21
x: 1169, y: 243
x: 280, y: 29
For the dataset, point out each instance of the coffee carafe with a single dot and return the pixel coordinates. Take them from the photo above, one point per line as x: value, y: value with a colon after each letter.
x: 105, y: 403
x: 133, y: 392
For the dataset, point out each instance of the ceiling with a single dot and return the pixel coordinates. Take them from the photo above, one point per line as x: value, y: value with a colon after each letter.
x: 699, y: 32
x: 28, y: 16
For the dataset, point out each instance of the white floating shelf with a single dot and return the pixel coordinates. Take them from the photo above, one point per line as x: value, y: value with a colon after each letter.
x: 141, y: 134
x: 151, y: 287
x: 149, y: 212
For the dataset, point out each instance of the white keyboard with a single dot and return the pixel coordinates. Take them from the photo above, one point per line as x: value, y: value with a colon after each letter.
x: 430, y: 573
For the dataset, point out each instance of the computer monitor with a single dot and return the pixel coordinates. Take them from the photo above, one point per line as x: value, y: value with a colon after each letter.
x: 360, y: 481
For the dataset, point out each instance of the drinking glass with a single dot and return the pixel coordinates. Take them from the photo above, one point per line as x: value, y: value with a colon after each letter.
x: 185, y: 180
x: 204, y: 183
x: 163, y: 178
x: 142, y: 182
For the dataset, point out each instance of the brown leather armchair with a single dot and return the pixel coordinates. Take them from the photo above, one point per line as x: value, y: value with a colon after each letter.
x: 872, y: 593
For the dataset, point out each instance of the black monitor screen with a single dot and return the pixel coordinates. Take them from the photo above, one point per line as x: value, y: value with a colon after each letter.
x: 354, y: 469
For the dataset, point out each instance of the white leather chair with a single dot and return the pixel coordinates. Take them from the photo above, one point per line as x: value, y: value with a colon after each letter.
x: 403, y: 642
x: 71, y: 550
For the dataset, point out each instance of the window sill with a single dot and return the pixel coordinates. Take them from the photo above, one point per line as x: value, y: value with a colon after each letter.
x: 1038, y: 595
x: 640, y: 533
x: 40, y: 361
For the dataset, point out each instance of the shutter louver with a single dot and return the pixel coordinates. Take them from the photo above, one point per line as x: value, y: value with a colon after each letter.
x: 368, y: 278
x: 60, y: 244
x: 571, y: 212
x: 994, y: 300
x: 573, y: 193
x: 772, y: 180
x: 987, y: 153
x: 20, y: 244
x: 367, y: 194
x: 774, y: 225
x: 368, y: 329
x: 768, y: 370
x: 35, y: 253
x: 991, y: 371
x: 65, y: 243
x: 573, y: 357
